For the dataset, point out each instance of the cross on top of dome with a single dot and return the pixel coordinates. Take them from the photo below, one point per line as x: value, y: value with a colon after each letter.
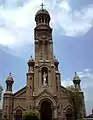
x: 42, y: 5
x: 10, y: 74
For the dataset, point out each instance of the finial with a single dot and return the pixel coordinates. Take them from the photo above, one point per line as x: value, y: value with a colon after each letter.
x: 42, y: 5
x: 10, y: 74
x: 75, y: 73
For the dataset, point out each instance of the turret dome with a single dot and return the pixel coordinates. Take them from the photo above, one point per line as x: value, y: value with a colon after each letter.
x: 31, y: 61
x: 9, y: 78
x: 76, y: 79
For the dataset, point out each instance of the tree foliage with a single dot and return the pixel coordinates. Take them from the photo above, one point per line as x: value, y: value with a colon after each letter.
x: 31, y: 115
x: 1, y: 89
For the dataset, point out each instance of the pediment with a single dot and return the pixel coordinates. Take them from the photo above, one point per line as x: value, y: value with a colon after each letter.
x: 45, y: 95
x: 21, y: 93
x: 68, y: 108
x: 19, y: 108
x: 45, y: 92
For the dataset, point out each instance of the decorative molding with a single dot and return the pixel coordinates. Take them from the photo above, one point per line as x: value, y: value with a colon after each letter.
x: 68, y: 107
x: 36, y: 65
x: 45, y: 95
x: 19, y: 108
x: 52, y: 66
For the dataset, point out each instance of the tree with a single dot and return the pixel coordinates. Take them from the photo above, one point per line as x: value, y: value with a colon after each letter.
x: 31, y: 115
x: 1, y: 89
x: 77, y: 101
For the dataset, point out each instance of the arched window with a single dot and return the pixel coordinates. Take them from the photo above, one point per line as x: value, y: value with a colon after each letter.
x: 29, y: 68
x: 44, y: 76
x: 39, y: 19
x: 42, y: 19
x: 46, y: 20
x: 30, y: 107
x: 69, y: 114
x: 18, y: 115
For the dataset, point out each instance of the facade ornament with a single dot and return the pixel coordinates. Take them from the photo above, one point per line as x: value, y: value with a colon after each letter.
x: 44, y: 79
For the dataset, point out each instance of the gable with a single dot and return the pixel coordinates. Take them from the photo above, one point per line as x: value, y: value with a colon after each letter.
x: 45, y: 95
x: 21, y: 93
x: 18, y: 108
x: 69, y: 106
x: 64, y: 92
x: 45, y: 92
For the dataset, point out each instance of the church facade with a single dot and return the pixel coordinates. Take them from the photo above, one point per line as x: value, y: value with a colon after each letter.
x: 43, y: 91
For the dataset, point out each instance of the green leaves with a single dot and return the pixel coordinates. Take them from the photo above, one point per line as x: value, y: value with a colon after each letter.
x: 1, y: 89
x: 31, y: 115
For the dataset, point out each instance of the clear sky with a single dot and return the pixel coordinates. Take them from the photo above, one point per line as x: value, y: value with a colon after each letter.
x: 72, y: 23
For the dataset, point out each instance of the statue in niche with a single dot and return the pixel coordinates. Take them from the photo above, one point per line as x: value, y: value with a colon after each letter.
x: 44, y: 78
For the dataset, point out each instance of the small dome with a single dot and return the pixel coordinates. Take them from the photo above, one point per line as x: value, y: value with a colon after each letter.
x: 31, y: 61
x: 42, y: 12
x: 55, y: 61
x: 10, y: 78
x: 76, y: 77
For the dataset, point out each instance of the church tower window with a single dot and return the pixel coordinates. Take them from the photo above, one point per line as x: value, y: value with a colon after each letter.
x: 42, y: 19
x: 39, y: 19
x: 45, y: 20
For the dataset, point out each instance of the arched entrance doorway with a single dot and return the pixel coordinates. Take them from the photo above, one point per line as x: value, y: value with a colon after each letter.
x: 46, y: 111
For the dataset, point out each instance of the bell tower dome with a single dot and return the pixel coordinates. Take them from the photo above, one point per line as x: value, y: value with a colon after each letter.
x: 42, y: 17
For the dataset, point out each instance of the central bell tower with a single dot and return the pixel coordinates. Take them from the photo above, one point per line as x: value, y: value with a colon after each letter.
x: 45, y: 68
x: 43, y: 36
x: 43, y: 72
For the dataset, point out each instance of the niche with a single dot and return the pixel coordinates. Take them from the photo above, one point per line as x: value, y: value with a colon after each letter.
x: 44, y: 76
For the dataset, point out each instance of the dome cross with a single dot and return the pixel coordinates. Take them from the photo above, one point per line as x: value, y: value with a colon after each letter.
x: 42, y: 5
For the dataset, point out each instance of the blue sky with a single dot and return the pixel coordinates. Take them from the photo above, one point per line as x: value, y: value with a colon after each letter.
x: 72, y: 23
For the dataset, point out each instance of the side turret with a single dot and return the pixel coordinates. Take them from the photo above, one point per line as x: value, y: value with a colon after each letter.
x: 56, y: 63
x: 30, y: 83
x: 30, y: 76
x: 79, y: 98
x: 8, y: 99
x: 58, y: 79
x: 76, y: 81
x: 9, y: 83
x: 31, y: 64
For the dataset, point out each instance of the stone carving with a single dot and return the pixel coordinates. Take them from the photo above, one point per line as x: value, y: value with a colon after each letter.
x: 44, y: 78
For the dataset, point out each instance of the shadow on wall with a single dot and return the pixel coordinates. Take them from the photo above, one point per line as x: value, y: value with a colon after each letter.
x: 0, y: 114
x: 88, y: 119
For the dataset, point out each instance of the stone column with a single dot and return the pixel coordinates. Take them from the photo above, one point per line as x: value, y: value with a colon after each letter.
x: 37, y: 108
x: 64, y: 115
x: 54, y: 112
